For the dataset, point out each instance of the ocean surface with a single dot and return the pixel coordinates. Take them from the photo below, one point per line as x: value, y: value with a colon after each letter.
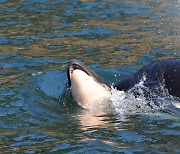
x: 115, y: 39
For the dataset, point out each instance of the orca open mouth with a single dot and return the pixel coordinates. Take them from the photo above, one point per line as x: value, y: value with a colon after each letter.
x: 75, y: 64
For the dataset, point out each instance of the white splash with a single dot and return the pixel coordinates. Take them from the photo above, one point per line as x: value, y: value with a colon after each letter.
x: 38, y: 73
x: 136, y: 101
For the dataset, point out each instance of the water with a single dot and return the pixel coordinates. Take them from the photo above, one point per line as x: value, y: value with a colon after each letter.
x: 115, y: 38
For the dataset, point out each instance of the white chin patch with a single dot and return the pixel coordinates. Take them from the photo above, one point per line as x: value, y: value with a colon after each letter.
x: 87, y: 92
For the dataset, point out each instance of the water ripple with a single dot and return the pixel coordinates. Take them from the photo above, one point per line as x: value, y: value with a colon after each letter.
x: 115, y: 38
x: 93, y: 31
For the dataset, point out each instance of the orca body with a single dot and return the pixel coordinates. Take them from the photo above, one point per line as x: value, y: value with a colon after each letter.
x: 87, y: 86
x: 160, y: 73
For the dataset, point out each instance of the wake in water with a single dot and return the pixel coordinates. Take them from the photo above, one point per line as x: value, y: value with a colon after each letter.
x: 141, y: 99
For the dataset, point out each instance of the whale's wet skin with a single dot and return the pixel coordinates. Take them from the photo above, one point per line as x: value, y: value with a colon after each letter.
x: 87, y: 87
x: 115, y: 39
x: 151, y: 88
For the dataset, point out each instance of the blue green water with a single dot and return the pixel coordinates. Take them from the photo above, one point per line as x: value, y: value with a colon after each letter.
x: 115, y: 39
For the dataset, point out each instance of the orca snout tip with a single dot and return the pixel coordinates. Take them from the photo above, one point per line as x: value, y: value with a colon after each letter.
x: 76, y: 64
x: 73, y: 65
x: 73, y: 61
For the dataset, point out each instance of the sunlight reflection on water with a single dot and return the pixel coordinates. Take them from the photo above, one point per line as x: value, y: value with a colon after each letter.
x: 37, y: 39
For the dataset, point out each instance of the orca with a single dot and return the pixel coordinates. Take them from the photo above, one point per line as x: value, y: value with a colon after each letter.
x: 87, y: 86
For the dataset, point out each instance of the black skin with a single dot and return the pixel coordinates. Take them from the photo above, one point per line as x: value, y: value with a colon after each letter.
x: 162, y: 72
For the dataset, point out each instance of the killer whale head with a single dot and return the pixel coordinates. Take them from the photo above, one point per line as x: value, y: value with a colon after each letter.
x: 86, y: 86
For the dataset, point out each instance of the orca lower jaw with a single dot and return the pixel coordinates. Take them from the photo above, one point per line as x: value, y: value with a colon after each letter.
x: 86, y: 86
x: 86, y: 91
